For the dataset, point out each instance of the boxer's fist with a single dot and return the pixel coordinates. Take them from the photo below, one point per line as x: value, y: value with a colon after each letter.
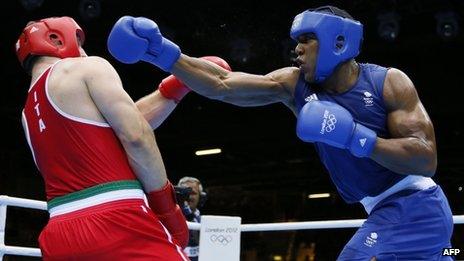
x: 134, y: 39
x: 163, y: 203
x: 123, y: 42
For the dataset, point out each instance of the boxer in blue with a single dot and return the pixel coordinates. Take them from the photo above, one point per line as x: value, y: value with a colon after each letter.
x: 366, y: 121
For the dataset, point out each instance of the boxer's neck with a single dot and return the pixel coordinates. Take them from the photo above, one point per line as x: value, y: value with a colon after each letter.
x: 344, y: 77
x: 41, y: 64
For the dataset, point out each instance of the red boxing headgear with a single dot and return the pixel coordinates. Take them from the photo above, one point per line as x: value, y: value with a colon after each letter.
x: 41, y: 38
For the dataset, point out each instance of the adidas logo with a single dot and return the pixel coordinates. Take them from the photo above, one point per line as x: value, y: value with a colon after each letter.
x: 311, y: 97
x: 33, y: 29
x: 362, y: 142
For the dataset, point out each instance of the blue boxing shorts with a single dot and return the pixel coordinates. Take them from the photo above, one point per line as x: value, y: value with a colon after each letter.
x: 408, y: 225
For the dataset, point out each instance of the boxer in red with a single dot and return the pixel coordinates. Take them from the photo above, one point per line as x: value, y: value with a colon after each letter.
x: 97, y: 153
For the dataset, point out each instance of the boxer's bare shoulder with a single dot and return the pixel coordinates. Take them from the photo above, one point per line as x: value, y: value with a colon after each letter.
x: 69, y: 82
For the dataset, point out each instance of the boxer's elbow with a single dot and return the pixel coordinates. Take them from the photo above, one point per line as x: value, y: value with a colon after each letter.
x: 420, y: 156
x: 132, y: 139
x: 136, y: 137
x: 430, y: 167
x: 430, y: 159
x: 427, y: 164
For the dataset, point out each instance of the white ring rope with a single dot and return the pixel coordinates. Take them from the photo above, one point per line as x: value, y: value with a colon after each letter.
x: 36, y: 204
x: 22, y: 202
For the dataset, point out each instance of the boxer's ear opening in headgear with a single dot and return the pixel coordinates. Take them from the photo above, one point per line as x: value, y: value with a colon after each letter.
x: 55, y: 40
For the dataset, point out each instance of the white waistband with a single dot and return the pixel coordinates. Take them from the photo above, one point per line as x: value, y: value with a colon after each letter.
x: 410, y: 182
x: 96, y: 200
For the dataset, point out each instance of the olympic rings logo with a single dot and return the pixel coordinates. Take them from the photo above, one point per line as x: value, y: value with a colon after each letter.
x: 220, y: 239
x: 330, y: 124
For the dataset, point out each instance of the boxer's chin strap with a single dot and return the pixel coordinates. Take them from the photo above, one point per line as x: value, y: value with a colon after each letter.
x: 163, y: 204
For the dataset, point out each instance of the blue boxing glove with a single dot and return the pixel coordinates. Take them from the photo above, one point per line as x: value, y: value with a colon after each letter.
x: 134, y: 39
x: 330, y: 123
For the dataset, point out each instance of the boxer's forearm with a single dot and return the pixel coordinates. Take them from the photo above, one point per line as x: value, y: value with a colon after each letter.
x: 155, y: 108
x: 238, y: 88
x: 145, y: 160
x: 409, y: 156
x: 201, y: 76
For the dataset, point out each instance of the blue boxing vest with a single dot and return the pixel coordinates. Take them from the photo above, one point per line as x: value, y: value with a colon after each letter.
x: 355, y: 178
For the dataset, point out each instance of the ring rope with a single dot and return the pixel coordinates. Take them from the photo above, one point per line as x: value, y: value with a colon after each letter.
x: 36, y: 204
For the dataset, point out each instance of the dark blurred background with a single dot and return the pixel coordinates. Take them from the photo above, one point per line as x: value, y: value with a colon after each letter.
x: 264, y: 173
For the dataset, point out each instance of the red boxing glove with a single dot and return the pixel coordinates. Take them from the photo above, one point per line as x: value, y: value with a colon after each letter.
x: 219, y: 61
x: 163, y: 203
x: 173, y: 89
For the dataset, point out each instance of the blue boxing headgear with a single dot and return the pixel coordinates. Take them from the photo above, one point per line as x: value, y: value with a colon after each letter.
x: 339, y: 38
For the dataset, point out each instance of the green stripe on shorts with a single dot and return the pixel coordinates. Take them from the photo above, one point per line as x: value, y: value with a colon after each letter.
x: 92, y: 191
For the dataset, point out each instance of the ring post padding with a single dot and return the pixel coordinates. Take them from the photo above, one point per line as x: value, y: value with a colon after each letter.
x: 220, y: 237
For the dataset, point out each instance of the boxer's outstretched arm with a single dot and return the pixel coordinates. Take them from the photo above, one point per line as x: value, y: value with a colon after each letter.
x: 412, y: 148
x: 238, y: 88
x: 136, y: 136
x: 148, y: 44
